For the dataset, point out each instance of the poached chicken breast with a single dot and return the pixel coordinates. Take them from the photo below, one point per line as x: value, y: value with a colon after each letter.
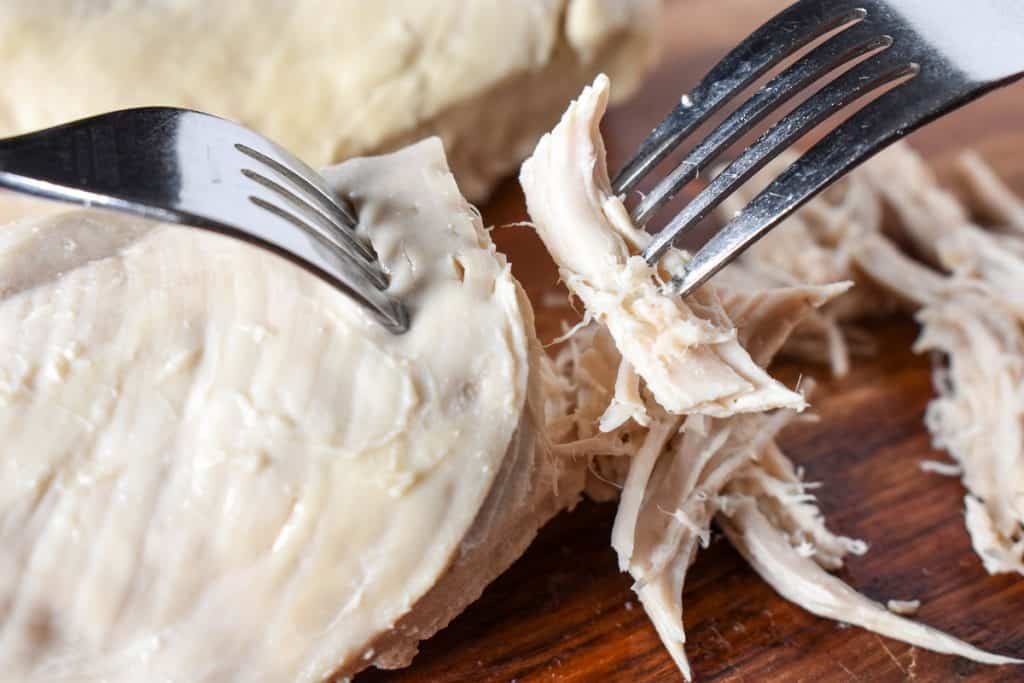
x: 218, y: 468
x: 329, y: 79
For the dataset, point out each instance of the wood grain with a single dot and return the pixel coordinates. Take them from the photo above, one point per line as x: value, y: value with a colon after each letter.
x: 564, y: 613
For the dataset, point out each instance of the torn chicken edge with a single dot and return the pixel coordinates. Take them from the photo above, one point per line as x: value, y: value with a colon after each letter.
x: 670, y: 402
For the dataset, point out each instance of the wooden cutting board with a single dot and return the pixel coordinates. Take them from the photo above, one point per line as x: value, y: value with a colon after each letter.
x: 564, y: 613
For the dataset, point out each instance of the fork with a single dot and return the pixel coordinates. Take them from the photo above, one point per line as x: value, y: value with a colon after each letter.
x: 190, y: 168
x: 933, y: 55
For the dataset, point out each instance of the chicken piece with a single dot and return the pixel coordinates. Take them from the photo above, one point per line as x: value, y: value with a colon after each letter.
x: 587, y: 231
x: 218, y: 468
x: 693, y: 453
x: 797, y: 578
x: 972, y: 314
x: 973, y: 317
x: 329, y: 79
x: 987, y: 197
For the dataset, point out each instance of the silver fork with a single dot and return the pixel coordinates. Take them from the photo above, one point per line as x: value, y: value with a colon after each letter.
x: 186, y: 167
x: 941, y: 54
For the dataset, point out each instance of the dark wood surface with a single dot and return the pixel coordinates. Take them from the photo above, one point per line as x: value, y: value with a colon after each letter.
x: 563, y: 612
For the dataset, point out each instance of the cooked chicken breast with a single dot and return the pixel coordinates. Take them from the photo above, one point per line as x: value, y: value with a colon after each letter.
x: 217, y: 468
x: 329, y: 79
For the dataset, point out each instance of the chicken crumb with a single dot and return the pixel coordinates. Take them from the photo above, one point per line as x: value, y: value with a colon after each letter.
x: 946, y: 469
x: 904, y: 607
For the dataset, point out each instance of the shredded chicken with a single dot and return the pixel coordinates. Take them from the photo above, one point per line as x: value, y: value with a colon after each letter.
x: 799, y: 579
x: 666, y: 341
x: 972, y: 315
x: 962, y: 278
x: 679, y: 389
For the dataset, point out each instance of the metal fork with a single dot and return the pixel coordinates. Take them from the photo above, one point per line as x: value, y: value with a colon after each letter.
x: 940, y: 54
x: 186, y: 167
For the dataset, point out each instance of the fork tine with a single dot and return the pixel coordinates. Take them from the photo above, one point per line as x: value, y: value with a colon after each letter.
x: 339, y: 237
x: 803, y: 22
x: 852, y: 43
x: 867, y: 76
x: 327, y: 209
x: 309, y: 181
x: 390, y: 313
